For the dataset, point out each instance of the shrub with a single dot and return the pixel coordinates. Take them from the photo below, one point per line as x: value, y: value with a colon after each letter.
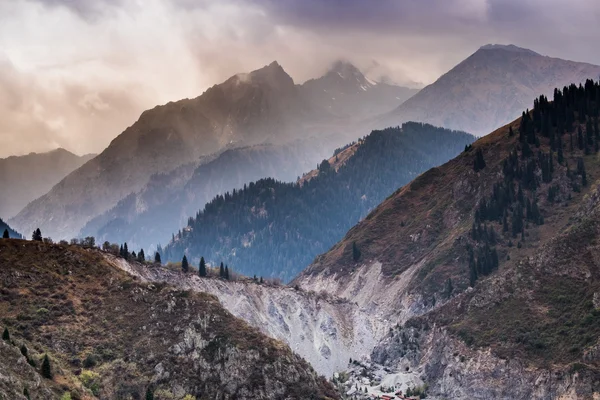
x: 90, y: 380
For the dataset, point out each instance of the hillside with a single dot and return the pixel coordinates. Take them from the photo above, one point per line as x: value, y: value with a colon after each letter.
x: 489, y: 89
x: 147, y: 218
x: 247, y: 109
x: 346, y: 92
x: 110, y: 335
x: 11, y: 232
x: 487, y: 263
x: 25, y: 178
x: 274, y: 229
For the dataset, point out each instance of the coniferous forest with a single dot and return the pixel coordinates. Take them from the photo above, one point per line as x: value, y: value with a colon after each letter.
x: 274, y: 229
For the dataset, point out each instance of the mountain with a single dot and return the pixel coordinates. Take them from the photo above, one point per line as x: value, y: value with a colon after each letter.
x: 247, y: 109
x: 274, y: 229
x: 109, y: 335
x: 25, y: 178
x: 489, y: 89
x: 263, y: 107
x: 485, y: 267
x: 346, y: 92
x: 11, y: 232
x: 147, y: 218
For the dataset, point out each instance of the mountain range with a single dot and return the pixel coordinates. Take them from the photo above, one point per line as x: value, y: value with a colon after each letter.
x: 477, y: 279
x: 259, y: 108
x: 489, y: 89
x: 25, y: 178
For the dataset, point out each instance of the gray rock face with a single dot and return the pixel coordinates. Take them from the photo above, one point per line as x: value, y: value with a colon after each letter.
x: 325, y: 331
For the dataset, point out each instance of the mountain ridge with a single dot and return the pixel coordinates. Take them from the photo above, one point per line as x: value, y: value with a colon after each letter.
x: 489, y: 89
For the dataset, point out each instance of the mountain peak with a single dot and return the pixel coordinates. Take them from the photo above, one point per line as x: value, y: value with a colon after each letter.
x: 272, y: 74
x: 345, y: 70
x: 508, y: 47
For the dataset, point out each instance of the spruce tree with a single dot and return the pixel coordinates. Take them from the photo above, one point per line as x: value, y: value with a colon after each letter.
x: 46, y: 368
x: 125, y: 251
x: 149, y: 393
x: 221, y: 270
x: 202, y: 267
x: 226, y: 273
x: 6, y: 335
x: 355, y: 252
x: 184, y: 264
x: 141, y: 256
x: 37, y: 235
x: 5, y: 235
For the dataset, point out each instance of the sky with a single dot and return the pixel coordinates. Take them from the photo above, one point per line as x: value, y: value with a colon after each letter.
x: 76, y: 73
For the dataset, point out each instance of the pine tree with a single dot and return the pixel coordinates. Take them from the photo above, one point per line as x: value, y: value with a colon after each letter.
x: 202, y: 268
x: 37, y: 235
x: 149, y: 393
x: 5, y: 235
x: 141, y: 256
x: 121, y: 252
x: 226, y: 273
x: 478, y: 162
x: 46, y: 368
x: 6, y: 335
x: 125, y: 251
x: 449, y: 287
x: 355, y: 252
x: 157, y: 258
x: 221, y: 270
x: 184, y: 264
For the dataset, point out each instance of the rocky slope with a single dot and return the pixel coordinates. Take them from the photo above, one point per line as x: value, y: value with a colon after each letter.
x: 488, y: 264
x: 489, y: 89
x: 110, y: 335
x: 325, y: 331
x: 25, y: 178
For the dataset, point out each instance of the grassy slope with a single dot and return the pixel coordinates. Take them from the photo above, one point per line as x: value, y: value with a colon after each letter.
x: 70, y: 303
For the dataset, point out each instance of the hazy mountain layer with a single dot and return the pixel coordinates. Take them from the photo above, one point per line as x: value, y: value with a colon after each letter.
x: 25, y: 178
x: 274, y: 229
x: 264, y: 106
x: 149, y: 217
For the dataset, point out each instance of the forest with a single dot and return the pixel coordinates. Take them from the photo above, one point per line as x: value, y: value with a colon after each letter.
x: 275, y: 229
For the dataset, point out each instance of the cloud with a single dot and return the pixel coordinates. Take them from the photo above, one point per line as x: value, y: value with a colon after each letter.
x: 75, y: 73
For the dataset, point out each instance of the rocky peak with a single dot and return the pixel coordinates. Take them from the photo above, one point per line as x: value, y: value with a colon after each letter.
x: 272, y: 75
x: 508, y: 47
